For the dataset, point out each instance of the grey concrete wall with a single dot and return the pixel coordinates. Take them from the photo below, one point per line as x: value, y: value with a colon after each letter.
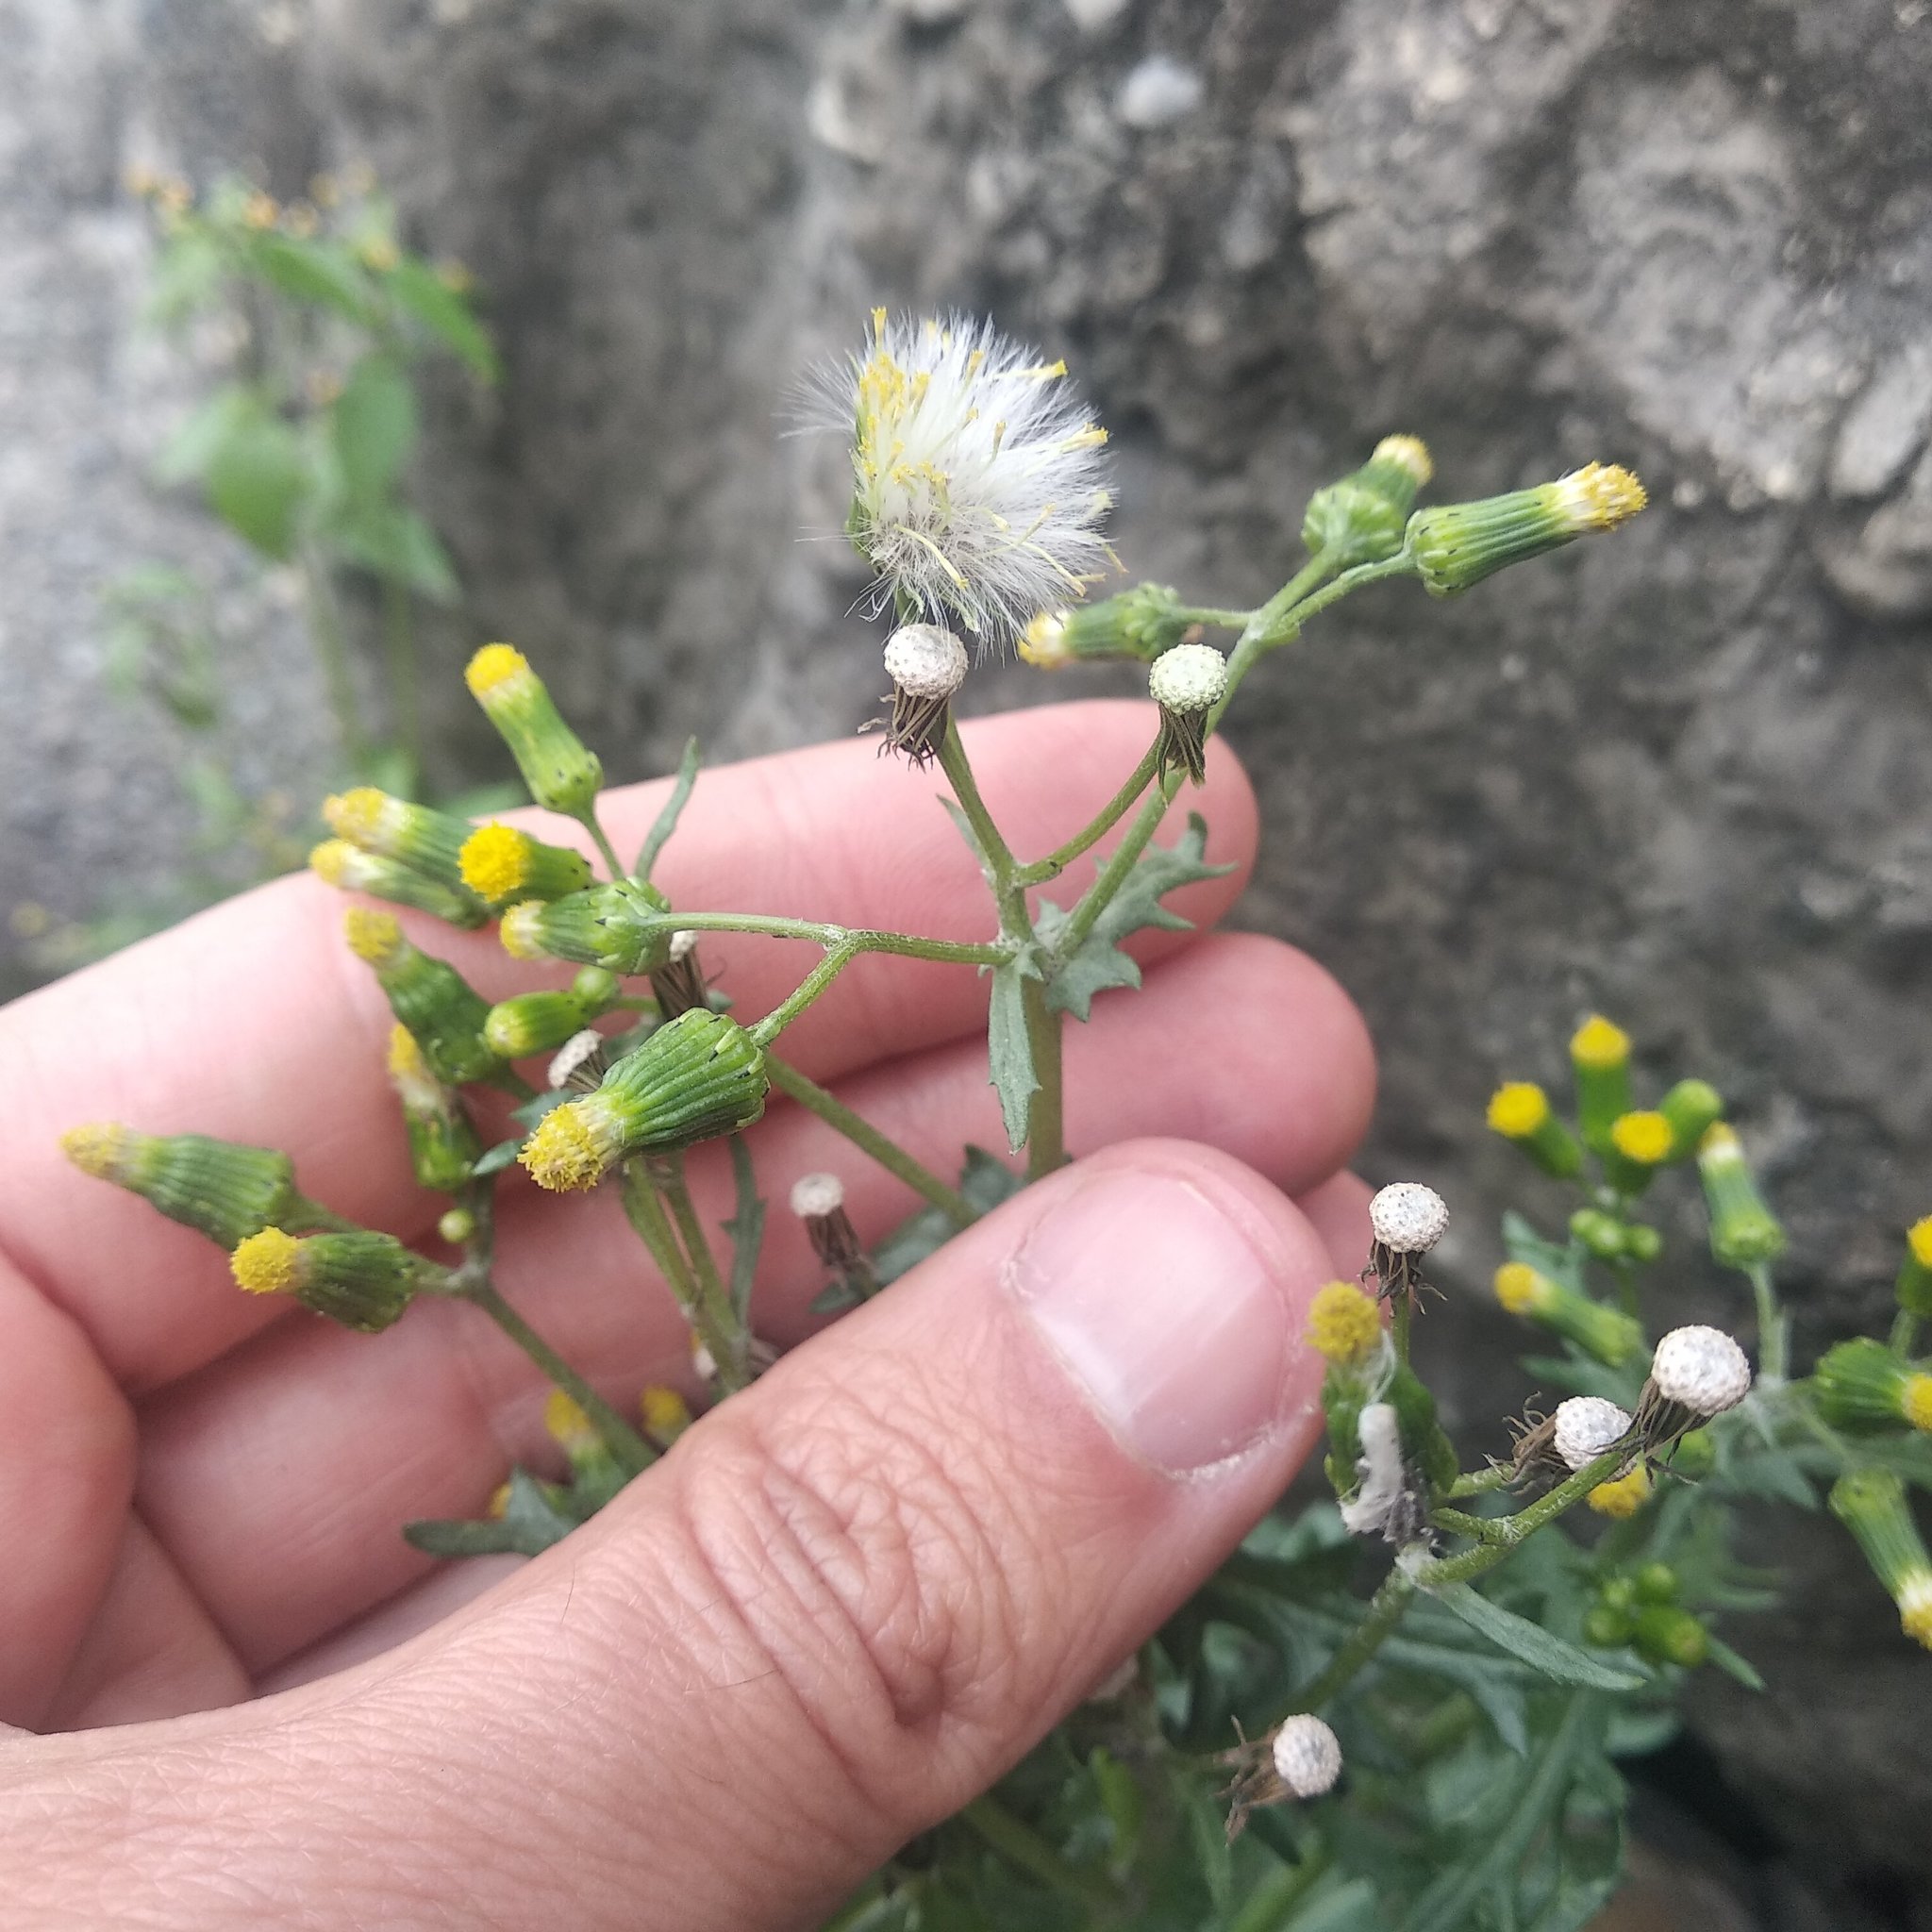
x: 1679, y: 773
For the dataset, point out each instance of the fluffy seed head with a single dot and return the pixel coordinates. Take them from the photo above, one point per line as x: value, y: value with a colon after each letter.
x: 1407, y: 1217
x: 1701, y: 1369
x: 267, y: 1263
x: 1189, y: 679
x: 1644, y: 1138
x: 977, y: 474
x: 1587, y: 1426
x: 926, y: 661
x: 817, y: 1194
x: 1599, y: 496
x: 1518, y: 1108
x: 1308, y: 1756
x: 1408, y: 453
x: 374, y: 936
x: 1343, y: 1323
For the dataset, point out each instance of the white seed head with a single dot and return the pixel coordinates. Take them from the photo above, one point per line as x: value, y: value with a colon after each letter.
x: 1307, y: 1756
x: 979, y: 478
x: 925, y: 662
x: 1701, y: 1369
x: 1586, y: 1425
x: 1187, y: 679
x: 681, y: 944
x: 1407, y: 1217
x: 814, y: 1196
x: 572, y: 1054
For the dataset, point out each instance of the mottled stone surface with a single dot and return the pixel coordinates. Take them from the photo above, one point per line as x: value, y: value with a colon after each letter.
x: 1679, y: 773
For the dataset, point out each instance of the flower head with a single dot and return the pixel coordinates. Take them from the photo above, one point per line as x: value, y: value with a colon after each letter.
x: 1343, y: 1323
x: 1701, y: 1368
x: 1408, y: 1218
x: 978, y: 491
x: 1308, y: 1758
x: 1588, y: 1426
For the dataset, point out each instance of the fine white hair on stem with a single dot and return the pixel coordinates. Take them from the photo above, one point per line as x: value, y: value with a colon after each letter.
x: 979, y: 479
x: 1381, y: 1469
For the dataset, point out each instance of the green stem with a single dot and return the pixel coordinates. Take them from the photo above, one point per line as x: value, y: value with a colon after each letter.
x: 605, y: 849
x: 862, y: 1134
x: 1402, y: 1316
x: 1482, y: 1529
x: 713, y: 1297
x: 1479, y: 1481
x: 1385, y: 1611
x: 1774, y: 1354
x: 630, y: 1449
x: 1904, y: 1331
x: 645, y: 1212
x: 861, y: 939
x: 804, y: 993
x: 1056, y: 861
x: 1220, y: 620
x: 1021, y: 1845
x: 992, y: 843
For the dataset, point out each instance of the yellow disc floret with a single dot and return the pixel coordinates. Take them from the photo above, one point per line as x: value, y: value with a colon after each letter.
x: 498, y: 1506
x: 1644, y: 1138
x: 1918, y: 1239
x: 1520, y: 1288
x: 569, y: 1426
x: 1343, y: 1323
x: 1915, y: 1608
x: 1915, y: 1403
x: 1600, y: 1043
x: 1518, y: 1108
x: 495, y: 861
x: 522, y: 931
x: 333, y: 861
x: 565, y: 1153
x: 665, y: 1412
x: 268, y: 1262
x: 359, y: 815
x: 492, y: 667
x: 1599, y: 496
x: 372, y: 936
x: 1044, y: 641
x: 101, y: 1148
x: 1624, y: 1497
x: 1408, y: 453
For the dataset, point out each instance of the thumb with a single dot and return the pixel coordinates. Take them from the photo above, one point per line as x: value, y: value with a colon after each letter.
x: 844, y: 1604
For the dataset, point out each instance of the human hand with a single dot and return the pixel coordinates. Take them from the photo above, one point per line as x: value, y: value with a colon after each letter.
x: 842, y: 1605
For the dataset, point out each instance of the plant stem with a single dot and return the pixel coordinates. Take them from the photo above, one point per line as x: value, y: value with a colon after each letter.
x: 1056, y: 861
x: 713, y: 1294
x: 862, y: 1134
x: 646, y: 1215
x: 1904, y: 1331
x: 608, y: 851
x: 1385, y: 1611
x: 1478, y: 1481
x: 1024, y: 1847
x: 861, y: 939
x: 1774, y: 1354
x: 804, y: 993
x: 630, y: 1449
x: 1483, y: 1529
x: 1402, y: 1315
x: 1220, y: 620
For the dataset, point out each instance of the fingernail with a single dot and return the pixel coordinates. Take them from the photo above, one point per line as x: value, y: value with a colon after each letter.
x: 1162, y: 1308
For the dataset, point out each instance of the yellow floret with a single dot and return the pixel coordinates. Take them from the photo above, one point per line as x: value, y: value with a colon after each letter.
x: 522, y: 930
x: 334, y: 862
x: 498, y: 1506
x: 1343, y: 1323
x: 1918, y: 1239
x: 414, y: 1079
x: 101, y: 1148
x: 1043, y: 641
x: 1916, y: 1403
x: 1599, y: 496
x: 1408, y: 453
x: 495, y: 666
x: 1719, y: 1142
x: 563, y: 1154
x: 1624, y: 1497
x: 1600, y: 1043
x: 495, y: 860
x: 665, y: 1412
x: 1520, y: 1288
x: 268, y: 1262
x: 372, y: 936
x: 1518, y: 1108
x: 1644, y: 1138
x: 358, y: 815
x: 1915, y: 1608
x: 569, y: 1426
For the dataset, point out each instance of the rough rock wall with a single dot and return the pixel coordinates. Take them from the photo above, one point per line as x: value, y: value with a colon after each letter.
x: 1678, y: 773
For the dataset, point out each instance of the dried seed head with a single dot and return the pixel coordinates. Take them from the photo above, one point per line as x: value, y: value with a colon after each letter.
x: 1407, y: 1217
x: 814, y: 1196
x: 1586, y: 1427
x: 1187, y: 679
x: 574, y: 1052
x: 1307, y: 1756
x: 1702, y: 1370
x: 925, y: 662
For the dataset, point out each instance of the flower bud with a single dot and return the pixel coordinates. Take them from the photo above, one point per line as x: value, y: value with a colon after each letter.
x: 428, y: 995
x: 698, y: 1076
x: 1692, y: 1108
x: 1520, y: 1112
x: 1870, y: 1503
x: 1343, y: 1324
x: 1600, y: 1055
x: 1361, y: 519
x: 1460, y: 544
x: 1914, y: 1288
x: 1640, y: 1144
x: 563, y: 775
x: 1306, y: 1756
x: 666, y: 1415
x: 618, y: 926
x: 456, y: 1226
x: 1142, y: 623
x: 350, y: 869
x: 427, y: 840
x: 1624, y: 1496
x: 1186, y: 683
x: 1666, y: 1635
x: 1743, y: 1232
x: 1606, y: 1627
x: 1863, y: 1385
x: 1587, y: 1426
x: 362, y: 1280
x: 1602, y: 1234
x: 219, y: 1189
x: 926, y: 664
x: 442, y: 1143
x: 502, y: 864
x: 529, y: 1023
x: 1642, y: 1242
x: 1609, y: 1334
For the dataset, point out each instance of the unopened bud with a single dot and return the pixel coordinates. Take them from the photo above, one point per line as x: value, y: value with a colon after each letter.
x: 1870, y: 1503
x: 427, y: 840
x: 1666, y: 1635
x: 1142, y: 623
x: 1744, y: 1233
x: 618, y: 926
x: 503, y: 864
x: 1691, y: 1106
x: 1600, y: 1056
x: 442, y: 1142
x: 1914, y: 1288
x: 428, y: 995
x: 362, y: 1280
x: 1362, y: 517
x: 1863, y: 1385
x: 222, y: 1190
x: 350, y: 869
x: 1609, y: 1334
x: 530, y: 1023
x: 563, y: 775
x: 666, y: 1415
x: 1520, y: 1112
x: 1622, y: 1496
x: 1462, y: 543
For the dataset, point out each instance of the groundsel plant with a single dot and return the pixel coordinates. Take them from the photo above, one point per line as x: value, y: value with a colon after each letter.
x: 1395, y: 1711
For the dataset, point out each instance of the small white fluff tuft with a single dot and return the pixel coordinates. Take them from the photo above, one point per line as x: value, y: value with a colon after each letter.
x: 815, y: 1195
x: 681, y: 944
x: 1586, y: 1425
x: 1307, y: 1756
x: 925, y: 662
x: 1407, y: 1217
x: 979, y: 486
x: 1381, y: 1469
x: 571, y: 1054
x: 1189, y: 679
x: 1701, y: 1369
